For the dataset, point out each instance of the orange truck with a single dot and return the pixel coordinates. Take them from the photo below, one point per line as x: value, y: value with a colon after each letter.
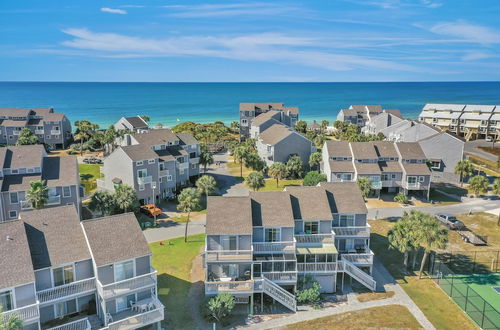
x: 150, y: 210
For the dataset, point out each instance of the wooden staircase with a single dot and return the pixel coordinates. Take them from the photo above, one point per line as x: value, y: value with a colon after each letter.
x: 279, y: 294
x: 352, y: 270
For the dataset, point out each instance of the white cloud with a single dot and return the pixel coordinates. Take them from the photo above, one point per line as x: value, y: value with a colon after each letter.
x: 233, y: 9
x: 467, y: 32
x: 264, y: 47
x: 475, y: 55
x: 113, y: 11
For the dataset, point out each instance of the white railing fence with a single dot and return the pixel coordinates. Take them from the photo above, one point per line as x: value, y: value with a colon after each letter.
x: 82, y: 324
x: 317, y: 267
x: 274, y: 246
x: 140, y: 319
x: 24, y: 313
x: 358, y: 258
x: 134, y: 283
x: 66, y: 290
x: 357, y: 274
x: 281, y: 295
x: 229, y: 286
x: 281, y: 276
x: 314, y: 238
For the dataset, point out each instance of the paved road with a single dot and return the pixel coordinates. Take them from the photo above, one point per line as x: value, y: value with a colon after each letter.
x: 472, y: 147
x: 473, y: 205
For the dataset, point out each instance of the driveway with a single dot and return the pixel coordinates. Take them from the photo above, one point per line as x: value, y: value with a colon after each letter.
x: 228, y: 185
x: 472, y: 148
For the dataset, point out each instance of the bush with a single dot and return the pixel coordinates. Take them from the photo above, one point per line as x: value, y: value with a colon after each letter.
x: 401, y: 198
x: 218, y: 308
x: 313, y: 178
x: 310, y: 296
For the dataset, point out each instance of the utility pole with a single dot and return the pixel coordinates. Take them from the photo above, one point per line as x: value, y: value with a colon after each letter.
x: 153, y: 185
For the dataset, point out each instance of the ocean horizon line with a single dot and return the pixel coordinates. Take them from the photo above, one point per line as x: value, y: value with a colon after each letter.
x: 254, y: 82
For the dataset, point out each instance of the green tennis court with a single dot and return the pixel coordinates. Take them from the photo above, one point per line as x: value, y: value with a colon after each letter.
x: 478, y: 295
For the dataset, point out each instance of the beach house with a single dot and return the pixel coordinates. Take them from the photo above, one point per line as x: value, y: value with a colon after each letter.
x: 249, y: 111
x: 134, y: 124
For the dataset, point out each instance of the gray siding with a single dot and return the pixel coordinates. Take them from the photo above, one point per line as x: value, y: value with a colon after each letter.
x: 293, y: 144
x: 142, y: 265
x: 43, y: 280
x: 84, y: 269
x: 25, y: 295
x: 105, y: 274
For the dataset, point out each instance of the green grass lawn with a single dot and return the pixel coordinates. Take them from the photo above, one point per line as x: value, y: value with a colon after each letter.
x: 271, y: 184
x: 89, y: 173
x: 441, y: 311
x: 173, y: 262
x: 435, y: 196
x: 384, y: 317
x: 453, y: 190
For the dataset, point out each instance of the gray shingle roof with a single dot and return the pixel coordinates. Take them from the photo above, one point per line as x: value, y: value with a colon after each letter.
x: 416, y: 169
x: 271, y: 208
x: 363, y: 150
x: 367, y: 168
x: 14, y: 112
x: 338, y: 148
x: 262, y: 118
x: 341, y: 166
x: 187, y: 138
x: 344, y: 197
x: 390, y: 167
x: 136, y: 122
x: 385, y: 149
x: 55, y: 236
x: 155, y: 137
x: 60, y: 171
x: 138, y: 152
x: 309, y: 203
x: 229, y: 215
x: 15, y: 260
x: 22, y: 156
x: 410, y: 150
x: 266, y: 106
x: 123, y: 231
x: 275, y: 134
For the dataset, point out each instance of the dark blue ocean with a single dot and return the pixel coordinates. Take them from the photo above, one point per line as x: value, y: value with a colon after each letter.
x: 167, y: 103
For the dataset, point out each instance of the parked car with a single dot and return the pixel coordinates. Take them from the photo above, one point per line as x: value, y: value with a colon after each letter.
x: 450, y: 221
x: 86, y: 160
x: 150, y: 210
x: 489, y: 138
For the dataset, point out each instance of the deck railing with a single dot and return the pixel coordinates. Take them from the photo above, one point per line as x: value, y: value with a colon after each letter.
x: 281, y: 276
x: 63, y: 291
x: 145, y: 180
x: 140, y: 319
x: 130, y: 284
x: 265, y: 247
x: 363, y: 231
x: 81, y: 324
x: 358, y: 258
x: 229, y: 286
x: 55, y: 132
x: 164, y: 173
x: 314, y: 238
x: 25, y: 313
x: 54, y: 200
x: 228, y: 255
x: 317, y: 267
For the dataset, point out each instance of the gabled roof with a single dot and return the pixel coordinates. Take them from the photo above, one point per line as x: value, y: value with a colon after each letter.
x: 271, y: 208
x: 341, y: 166
x: 364, y: 108
x: 444, y: 107
x: 229, y: 215
x: 385, y: 149
x: 22, y: 156
x: 55, y: 236
x: 115, y: 238
x: 139, y: 152
x: 155, y: 137
x: 416, y: 168
x: 363, y: 150
x: 367, y: 168
x: 338, y: 148
x: 15, y: 112
x: 275, y: 134
x: 410, y: 150
x: 344, y: 197
x: 262, y: 118
x: 15, y: 259
x: 309, y: 203
x: 264, y: 106
x: 187, y: 138
x: 136, y: 122
x: 60, y: 171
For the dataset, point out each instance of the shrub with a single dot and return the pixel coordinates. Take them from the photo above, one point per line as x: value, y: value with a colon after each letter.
x: 313, y: 178
x: 218, y: 308
x: 401, y: 198
x: 310, y: 296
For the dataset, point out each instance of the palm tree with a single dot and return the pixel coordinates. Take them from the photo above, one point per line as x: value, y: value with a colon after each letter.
x: 324, y: 125
x: 496, y: 190
x: 10, y: 322
x: 189, y: 201
x: 206, y: 158
x: 38, y: 194
x: 253, y: 161
x: 26, y: 137
x: 240, y: 153
x: 294, y: 167
x: 206, y: 185
x: 402, y: 237
x: 125, y: 197
x: 365, y: 185
x: 277, y: 171
x: 255, y: 180
x: 464, y: 168
x: 103, y: 202
x: 478, y: 184
x: 85, y: 130
x: 430, y: 235
x: 109, y: 138
x: 314, y: 159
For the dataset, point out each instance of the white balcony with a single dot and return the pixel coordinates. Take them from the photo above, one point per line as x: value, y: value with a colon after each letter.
x: 195, y: 160
x: 26, y: 313
x: 129, y: 285
x: 414, y: 185
x: 353, y: 231
x: 228, y: 255
x: 229, y: 286
x: 182, y: 166
x: 269, y: 247
x: 55, y: 132
x: 39, y: 131
x: 358, y: 258
x: 390, y: 183
x: 145, y: 179
x: 16, y: 132
x: 25, y: 205
x: 303, y: 238
x: 133, y: 319
x: 376, y: 184
x: 81, y: 324
x: 65, y: 291
x: 54, y: 200
x: 163, y: 173
x: 281, y: 276
x: 324, y: 267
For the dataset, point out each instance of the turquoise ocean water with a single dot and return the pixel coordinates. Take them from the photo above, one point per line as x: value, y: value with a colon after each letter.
x: 104, y: 103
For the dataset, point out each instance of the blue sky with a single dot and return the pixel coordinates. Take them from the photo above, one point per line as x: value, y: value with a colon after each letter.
x: 334, y: 40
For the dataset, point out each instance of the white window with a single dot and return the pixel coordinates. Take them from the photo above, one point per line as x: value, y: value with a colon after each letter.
x: 141, y: 187
x: 181, y: 171
x: 142, y: 173
x: 6, y: 301
x: 151, y: 161
x: 230, y: 270
x: 13, y: 214
x: 311, y: 227
x: 271, y: 234
x: 63, y: 275
x: 393, y: 176
x: 160, y: 179
x: 124, y: 270
x: 421, y: 178
x: 193, y: 166
x: 169, y: 178
x: 346, y: 220
x: 229, y: 242
x: 123, y: 303
x: 139, y: 163
x: 14, y: 198
x: 66, y: 191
